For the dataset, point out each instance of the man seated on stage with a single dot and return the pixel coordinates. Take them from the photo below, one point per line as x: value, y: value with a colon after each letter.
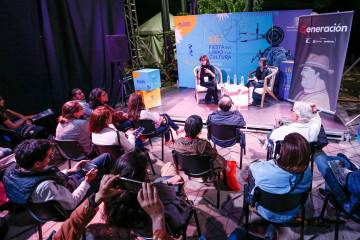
x: 342, y: 179
x: 261, y: 72
x: 305, y: 120
x: 225, y: 116
x: 31, y: 179
x: 78, y: 95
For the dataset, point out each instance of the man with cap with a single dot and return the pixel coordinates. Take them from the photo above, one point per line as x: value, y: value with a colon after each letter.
x: 315, y: 72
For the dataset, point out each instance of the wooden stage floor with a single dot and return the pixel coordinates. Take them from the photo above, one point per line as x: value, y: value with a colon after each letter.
x: 180, y: 103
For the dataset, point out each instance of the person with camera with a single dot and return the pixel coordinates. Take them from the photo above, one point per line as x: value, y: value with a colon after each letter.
x: 206, y: 76
x: 31, y: 179
x: 147, y: 198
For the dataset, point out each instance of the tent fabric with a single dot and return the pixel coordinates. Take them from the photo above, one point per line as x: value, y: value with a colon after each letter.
x: 152, y: 41
x: 154, y: 25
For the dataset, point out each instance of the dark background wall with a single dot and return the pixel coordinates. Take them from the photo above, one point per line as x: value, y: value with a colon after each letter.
x: 49, y: 47
x: 24, y: 80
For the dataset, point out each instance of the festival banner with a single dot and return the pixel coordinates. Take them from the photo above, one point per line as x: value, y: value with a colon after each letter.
x: 234, y: 42
x: 320, y: 56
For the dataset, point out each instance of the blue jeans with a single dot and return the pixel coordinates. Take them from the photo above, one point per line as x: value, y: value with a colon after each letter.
x: 103, y: 163
x: 165, y: 127
x: 342, y: 195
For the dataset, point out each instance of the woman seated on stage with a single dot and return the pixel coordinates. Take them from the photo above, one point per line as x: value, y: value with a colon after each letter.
x: 99, y: 97
x: 261, y: 72
x: 137, y: 111
x: 20, y: 123
x: 72, y: 126
x: 103, y: 132
x: 289, y: 174
x: 206, y: 76
x: 192, y: 144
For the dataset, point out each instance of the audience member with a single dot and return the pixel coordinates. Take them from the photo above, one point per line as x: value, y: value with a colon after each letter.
x: 261, y: 72
x: 207, y: 78
x: 148, y: 199
x: 345, y: 185
x: 20, y: 123
x: 124, y: 211
x: 78, y: 95
x: 103, y: 132
x: 288, y: 174
x: 137, y: 111
x: 305, y: 121
x: 225, y: 116
x: 72, y: 126
x: 192, y: 144
x: 99, y: 97
x: 31, y: 179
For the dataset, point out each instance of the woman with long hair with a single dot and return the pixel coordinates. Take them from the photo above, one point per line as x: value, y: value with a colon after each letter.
x: 99, y: 97
x: 288, y: 174
x: 72, y: 126
x: 206, y: 76
x: 103, y: 131
x: 137, y: 111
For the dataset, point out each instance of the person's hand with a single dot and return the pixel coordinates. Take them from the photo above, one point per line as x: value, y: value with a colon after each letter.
x: 313, y: 108
x: 107, y: 189
x: 207, y: 70
x: 91, y: 175
x: 149, y: 200
x: 77, y: 166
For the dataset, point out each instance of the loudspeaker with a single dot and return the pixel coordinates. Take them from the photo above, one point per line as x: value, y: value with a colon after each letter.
x: 117, y: 46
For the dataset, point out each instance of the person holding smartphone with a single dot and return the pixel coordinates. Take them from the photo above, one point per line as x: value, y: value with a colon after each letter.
x: 206, y: 76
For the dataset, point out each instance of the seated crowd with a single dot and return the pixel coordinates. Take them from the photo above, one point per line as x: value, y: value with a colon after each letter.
x: 157, y: 208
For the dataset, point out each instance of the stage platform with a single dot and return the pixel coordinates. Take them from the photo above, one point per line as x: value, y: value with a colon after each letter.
x: 180, y: 103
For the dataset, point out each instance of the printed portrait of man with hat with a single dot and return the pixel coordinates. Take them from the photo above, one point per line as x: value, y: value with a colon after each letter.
x: 315, y: 72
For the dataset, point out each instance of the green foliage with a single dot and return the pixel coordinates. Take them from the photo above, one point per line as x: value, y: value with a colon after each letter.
x: 225, y: 6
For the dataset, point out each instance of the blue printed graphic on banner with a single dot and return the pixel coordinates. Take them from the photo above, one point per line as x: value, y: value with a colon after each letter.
x: 233, y: 41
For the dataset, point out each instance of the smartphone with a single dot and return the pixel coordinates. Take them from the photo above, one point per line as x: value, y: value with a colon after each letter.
x: 88, y: 166
x: 129, y: 184
x: 138, y: 131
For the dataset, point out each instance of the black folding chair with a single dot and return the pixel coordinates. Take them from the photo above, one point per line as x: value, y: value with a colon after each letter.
x: 277, y: 203
x: 228, y: 133
x: 181, y: 231
x: 353, y: 214
x: 9, y: 138
x: 150, y: 132
x: 37, y: 214
x: 70, y: 150
x: 198, y: 166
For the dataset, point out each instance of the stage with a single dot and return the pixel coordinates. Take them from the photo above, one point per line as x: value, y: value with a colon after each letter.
x: 180, y: 103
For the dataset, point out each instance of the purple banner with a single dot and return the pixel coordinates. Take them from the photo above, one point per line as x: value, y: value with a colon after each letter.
x: 319, y: 60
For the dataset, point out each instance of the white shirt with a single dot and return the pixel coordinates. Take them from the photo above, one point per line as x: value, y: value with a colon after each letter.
x: 309, y: 130
x: 108, y: 136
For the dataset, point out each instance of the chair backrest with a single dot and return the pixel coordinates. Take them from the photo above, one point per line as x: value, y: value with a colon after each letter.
x: 70, y: 149
x: 47, y: 211
x: 223, y: 132
x: 148, y: 125
x: 218, y: 74
x: 114, y: 150
x: 272, y: 76
x: 279, y: 202
x: 193, y: 165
